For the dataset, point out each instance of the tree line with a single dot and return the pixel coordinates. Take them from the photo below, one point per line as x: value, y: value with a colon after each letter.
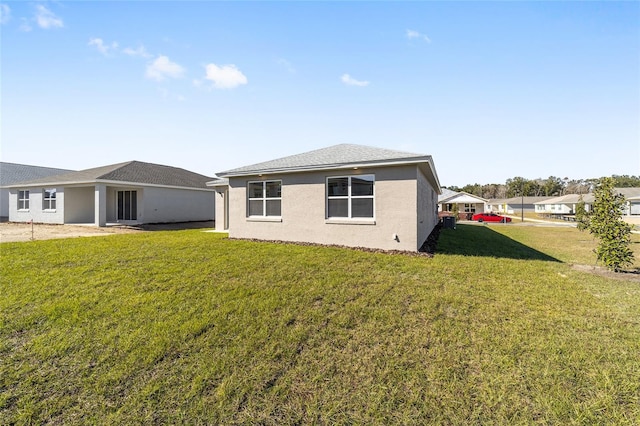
x: 551, y: 187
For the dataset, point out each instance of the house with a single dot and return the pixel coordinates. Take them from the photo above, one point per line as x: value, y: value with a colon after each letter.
x: 350, y: 195
x: 632, y: 197
x: 128, y: 193
x: 11, y: 173
x: 632, y: 207
x: 466, y: 204
x: 563, y: 206
x: 514, y: 205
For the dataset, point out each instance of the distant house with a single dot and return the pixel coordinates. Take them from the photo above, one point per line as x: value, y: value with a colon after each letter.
x: 349, y: 195
x: 563, y: 205
x: 128, y: 193
x: 466, y: 204
x: 11, y: 173
x: 514, y: 205
x: 632, y: 195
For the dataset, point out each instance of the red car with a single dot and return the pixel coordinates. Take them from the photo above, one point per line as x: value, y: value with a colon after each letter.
x: 490, y: 217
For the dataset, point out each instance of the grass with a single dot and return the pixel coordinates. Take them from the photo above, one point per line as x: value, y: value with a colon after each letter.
x: 189, y: 327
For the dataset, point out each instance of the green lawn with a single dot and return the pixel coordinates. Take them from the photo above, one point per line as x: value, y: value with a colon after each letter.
x: 192, y: 328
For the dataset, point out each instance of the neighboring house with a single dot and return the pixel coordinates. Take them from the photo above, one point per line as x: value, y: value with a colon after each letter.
x: 128, y: 193
x: 632, y: 196
x: 11, y: 173
x: 632, y: 208
x: 563, y: 205
x: 514, y: 205
x: 349, y: 195
x: 468, y: 204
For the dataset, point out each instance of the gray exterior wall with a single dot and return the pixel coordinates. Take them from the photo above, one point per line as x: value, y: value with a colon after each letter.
x: 176, y: 205
x: 36, y: 212
x: 77, y: 204
x: 4, y: 202
x: 427, y: 214
x: 222, y: 195
x: 401, y: 208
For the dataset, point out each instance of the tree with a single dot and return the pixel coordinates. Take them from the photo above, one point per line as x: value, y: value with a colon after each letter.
x: 517, y: 186
x: 626, y: 181
x: 552, y: 186
x: 605, y: 222
x: 582, y: 217
x: 455, y: 209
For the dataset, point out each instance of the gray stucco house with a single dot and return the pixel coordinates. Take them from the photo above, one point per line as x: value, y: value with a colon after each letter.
x: 11, y: 173
x: 125, y: 193
x: 349, y: 195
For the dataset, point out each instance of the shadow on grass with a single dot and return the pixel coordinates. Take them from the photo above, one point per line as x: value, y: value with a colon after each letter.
x: 177, y: 226
x: 475, y: 240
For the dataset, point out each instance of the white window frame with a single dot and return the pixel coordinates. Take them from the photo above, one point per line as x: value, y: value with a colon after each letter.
x: 49, y: 199
x: 23, y: 201
x: 264, y: 198
x: 349, y: 197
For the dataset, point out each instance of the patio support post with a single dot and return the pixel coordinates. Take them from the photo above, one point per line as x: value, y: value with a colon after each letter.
x: 101, y: 205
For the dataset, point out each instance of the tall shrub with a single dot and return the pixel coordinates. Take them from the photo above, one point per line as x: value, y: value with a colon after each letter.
x: 605, y: 222
x: 582, y: 217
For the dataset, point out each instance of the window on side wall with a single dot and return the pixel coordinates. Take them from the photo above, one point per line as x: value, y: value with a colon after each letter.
x: 350, y: 197
x: 23, y: 200
x: 49, y: 199
x: 264, y: 199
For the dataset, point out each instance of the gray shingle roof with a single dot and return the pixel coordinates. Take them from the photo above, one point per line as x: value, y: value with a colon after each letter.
x: 628, y: 192
x: 518, y: 200
x: 568, y: 199
x: 11, y: 173
x: 333, y: 157
x: 131, y: 171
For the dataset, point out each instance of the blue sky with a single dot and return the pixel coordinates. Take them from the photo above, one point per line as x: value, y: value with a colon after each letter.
x: 491, y: 90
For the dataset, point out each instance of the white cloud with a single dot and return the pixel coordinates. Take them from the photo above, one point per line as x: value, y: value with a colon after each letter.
x: 101, y: 46
x: 411, y: 34
x: 224, y: 77
x: 350, y: 81
x: 47, y: 19
x: 5, y: 14
x: 140, y: 51
x: 163, y: 68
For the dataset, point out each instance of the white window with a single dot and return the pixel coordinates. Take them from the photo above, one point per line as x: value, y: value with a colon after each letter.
x: 23, y: 200
x: 350, y: 196
x: 49, y: 199
x: 469, y: 208
x: 264, y: 198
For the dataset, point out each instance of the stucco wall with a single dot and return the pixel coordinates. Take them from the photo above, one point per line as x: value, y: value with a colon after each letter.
x: 79, y: 204
x: 304, y: 211
x: 221, y: 192
x: 176, y: 205
x: 36, y: 211
x: 4, y: 202
x: 427, y: 214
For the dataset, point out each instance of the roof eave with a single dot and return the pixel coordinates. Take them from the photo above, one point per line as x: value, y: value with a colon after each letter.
x: 105, y: 182
x: 313, y: 168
